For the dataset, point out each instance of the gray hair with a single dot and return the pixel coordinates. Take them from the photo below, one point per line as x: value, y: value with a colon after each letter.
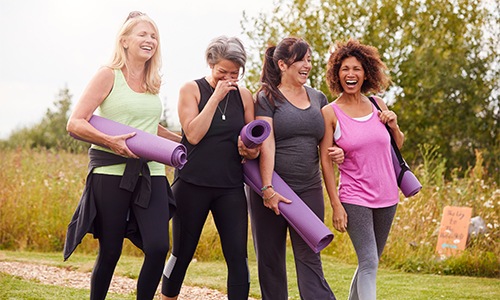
x: 229, y: 48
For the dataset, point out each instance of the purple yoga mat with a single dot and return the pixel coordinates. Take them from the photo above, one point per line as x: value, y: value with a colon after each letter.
x: 254, y: 133
x: 312, y: 230
x: 143, y: 144
x: 409, y: 183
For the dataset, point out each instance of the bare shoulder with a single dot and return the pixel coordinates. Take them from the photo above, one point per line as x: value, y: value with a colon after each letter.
x: 105, y: 73
x: 328, y: 113
x: 244, y: 91
x: 380, y: 102
x: 246, y: 95
x: 188, y: 90
x: 101, y: 84
x: 189, y: 87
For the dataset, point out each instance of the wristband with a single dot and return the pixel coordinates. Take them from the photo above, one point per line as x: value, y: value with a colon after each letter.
x: 269, y: 186
x: 265, y: 199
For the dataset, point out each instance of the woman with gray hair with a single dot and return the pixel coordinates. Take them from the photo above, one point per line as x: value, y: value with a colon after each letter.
x: 212, y: 111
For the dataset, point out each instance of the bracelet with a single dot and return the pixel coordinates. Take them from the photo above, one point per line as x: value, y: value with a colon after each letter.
x: 269, y: 186
x: 270, y: 197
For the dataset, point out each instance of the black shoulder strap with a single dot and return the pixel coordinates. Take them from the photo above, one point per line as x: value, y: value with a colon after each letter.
x: 402, y: 163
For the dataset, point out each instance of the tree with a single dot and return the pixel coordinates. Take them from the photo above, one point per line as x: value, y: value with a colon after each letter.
x: 445, y: 69
x: 50, y: 133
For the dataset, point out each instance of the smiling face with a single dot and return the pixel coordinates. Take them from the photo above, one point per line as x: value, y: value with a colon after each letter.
x: 225, y: 70
x: 142, y: 41
x: 298, y: 72
x: 351, y: 75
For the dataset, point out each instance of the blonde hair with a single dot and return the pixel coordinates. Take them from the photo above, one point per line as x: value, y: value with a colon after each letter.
x: 152, y: 77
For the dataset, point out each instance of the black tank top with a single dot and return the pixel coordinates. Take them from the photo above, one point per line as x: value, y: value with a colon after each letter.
x: 215, y: 161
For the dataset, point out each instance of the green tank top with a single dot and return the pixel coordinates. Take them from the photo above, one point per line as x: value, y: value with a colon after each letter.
x: 138, y: 110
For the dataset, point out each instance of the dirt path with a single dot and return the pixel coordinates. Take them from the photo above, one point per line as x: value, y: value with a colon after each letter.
x: 121, y: 285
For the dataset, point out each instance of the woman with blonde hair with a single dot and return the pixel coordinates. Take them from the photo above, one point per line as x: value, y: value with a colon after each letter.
x: 124, y: 196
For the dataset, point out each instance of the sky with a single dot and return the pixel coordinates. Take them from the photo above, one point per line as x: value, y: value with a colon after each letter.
x: 48, y: 45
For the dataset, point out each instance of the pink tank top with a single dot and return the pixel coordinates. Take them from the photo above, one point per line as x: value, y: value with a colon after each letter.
x: 367, y: 175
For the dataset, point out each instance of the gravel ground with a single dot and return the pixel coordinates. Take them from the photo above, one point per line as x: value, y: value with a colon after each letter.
x: 121, y: 285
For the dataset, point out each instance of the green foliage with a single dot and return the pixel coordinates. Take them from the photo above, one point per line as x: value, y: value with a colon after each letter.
x: 390, y: 284
x: 40, y: 189
x: 38, y: 192
x: 443, y: 56
x: 50, y: 132
x: 412, y: 241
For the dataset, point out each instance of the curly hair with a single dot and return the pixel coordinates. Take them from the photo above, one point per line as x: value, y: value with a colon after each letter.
x: 377, y: 79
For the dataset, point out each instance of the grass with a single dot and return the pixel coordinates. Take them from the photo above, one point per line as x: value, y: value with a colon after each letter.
x: 39, y: 190
x: 391, y: 284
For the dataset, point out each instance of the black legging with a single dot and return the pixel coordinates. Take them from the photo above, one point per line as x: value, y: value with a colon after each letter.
x: 229, y: 210
x: 114, y: 207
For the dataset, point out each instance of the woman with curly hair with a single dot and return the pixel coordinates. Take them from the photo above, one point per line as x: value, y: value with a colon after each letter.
x: 367, y: 197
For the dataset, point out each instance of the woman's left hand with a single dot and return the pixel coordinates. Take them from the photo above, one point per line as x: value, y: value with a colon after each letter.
x: 247, y: 153
x: 389, y: 117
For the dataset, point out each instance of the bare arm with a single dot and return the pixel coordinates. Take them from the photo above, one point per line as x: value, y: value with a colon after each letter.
x: 270, y: 197
x: 339, y: 217
x: 165, y: 133
x: 248, y: 106
x: 195, y: 124
x: 391, y: 119
x: 95, y: 93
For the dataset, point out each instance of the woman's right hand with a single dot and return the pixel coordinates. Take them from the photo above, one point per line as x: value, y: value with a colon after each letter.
x: 223, y: 87
x: 118, y: 144
x: 271, y: 199
x: 339, y: 218
x: 336, y: 154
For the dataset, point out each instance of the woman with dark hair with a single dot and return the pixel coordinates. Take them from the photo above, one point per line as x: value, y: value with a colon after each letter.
x: 212, y: 111
x: 122, y: 191
x: 293, y: 110
x: 366, y: 201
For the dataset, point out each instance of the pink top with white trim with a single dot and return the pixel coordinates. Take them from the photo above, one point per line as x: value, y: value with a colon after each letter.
x: 367, y: 176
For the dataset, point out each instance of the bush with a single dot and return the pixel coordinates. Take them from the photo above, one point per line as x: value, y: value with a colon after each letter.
x: 412, y: 241
x: 39, y: 191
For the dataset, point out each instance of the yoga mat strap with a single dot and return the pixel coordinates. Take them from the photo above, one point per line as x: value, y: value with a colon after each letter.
x: 407, y: 181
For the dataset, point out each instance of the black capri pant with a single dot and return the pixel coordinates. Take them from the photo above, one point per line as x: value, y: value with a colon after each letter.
x: 115, y: 209
x: 229, y: 210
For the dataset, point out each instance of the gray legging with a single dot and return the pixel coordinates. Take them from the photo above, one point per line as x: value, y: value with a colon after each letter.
x: 368, y: 229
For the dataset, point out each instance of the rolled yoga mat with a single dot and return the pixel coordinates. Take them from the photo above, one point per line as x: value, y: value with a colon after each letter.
x: 143, y: 144
x: 312, y: 230
x: 254, y: 133
x: 409, y: 184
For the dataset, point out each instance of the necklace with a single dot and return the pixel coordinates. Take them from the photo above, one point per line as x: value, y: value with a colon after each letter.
x: 225, y: 107
x: 223, y: 113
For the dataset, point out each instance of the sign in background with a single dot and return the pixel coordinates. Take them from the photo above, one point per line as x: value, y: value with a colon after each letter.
x: 454, y: 230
